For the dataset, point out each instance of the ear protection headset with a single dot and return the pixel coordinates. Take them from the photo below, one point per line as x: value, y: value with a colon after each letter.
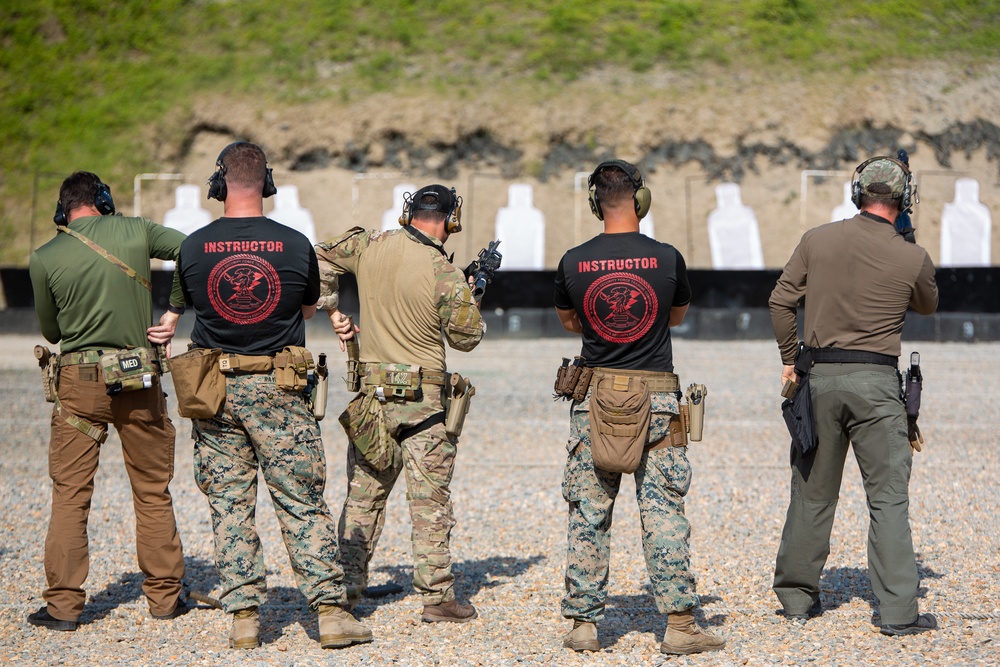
x: 641, y: 194
x: 909, y: 195
x: 452, y: 212
x: 217, y: 181
x: 103, y: 202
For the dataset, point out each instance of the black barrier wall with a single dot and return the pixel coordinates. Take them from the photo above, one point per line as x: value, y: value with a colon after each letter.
x: 727, y: 305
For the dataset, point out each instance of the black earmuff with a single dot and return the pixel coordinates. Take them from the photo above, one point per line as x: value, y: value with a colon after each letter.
x: 217, y: 181
x: 411, y: 202
x: 103, y: 202
x: 909, y: 189
x: 641, y: 195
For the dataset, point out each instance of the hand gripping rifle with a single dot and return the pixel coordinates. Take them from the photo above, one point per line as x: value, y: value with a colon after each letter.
x: 482, y: 270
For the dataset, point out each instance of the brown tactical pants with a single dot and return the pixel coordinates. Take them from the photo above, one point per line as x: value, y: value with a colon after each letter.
x: 147, y: 437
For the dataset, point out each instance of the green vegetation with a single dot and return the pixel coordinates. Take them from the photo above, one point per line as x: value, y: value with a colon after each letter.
x: 106, y: 85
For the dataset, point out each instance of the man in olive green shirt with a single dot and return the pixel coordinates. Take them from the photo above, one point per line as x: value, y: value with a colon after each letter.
x: 858, y: 278
x: 90, y: 304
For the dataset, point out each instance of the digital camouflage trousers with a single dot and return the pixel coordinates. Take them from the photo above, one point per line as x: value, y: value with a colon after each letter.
x: 270, y: 429
x: 661, y: 481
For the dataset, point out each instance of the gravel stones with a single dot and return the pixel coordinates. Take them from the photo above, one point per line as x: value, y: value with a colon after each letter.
x: 509, y: 544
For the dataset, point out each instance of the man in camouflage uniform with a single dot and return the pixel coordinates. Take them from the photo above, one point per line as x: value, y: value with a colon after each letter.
x: 253, y: 282
x: 623, y: 291
x: 410, y: 293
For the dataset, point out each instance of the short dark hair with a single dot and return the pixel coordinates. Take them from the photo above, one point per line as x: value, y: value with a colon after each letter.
x: 867, y: 200
x: 246, y: 166
x: 79, y: 189
x: 613, y: 186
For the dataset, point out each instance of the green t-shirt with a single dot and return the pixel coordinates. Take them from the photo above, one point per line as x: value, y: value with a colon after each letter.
x: 83, y: 301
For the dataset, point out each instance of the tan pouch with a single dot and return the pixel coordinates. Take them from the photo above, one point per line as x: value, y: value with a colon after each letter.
x: 293, y: 368
x: 365, y: 424
x: 129, y: 370
x: 199, y: 384
x: 619, y: 421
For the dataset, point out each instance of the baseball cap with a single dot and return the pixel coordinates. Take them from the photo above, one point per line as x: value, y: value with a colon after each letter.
x: 882, y: 178
x: 444, y: 199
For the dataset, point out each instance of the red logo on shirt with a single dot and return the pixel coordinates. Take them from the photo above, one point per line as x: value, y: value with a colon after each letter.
x: 244, y: 289
x: 621, y: 307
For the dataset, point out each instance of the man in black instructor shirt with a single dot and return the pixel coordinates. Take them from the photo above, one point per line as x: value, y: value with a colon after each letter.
x: 623, y: 291
x: 253, y: 282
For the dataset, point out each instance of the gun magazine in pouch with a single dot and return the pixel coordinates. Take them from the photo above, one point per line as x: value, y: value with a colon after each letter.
x: 459, y: 392
x: 293, y: 368
x: 353, y: 378
x: 573, y: 379
x: 48, y: 363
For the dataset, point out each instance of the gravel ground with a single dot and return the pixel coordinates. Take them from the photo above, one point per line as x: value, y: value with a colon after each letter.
x: 509, y: 545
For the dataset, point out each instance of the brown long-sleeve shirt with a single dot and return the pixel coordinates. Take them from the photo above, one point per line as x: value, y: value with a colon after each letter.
x: 858, y: 277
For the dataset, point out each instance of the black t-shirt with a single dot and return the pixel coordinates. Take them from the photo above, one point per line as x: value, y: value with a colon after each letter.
x: 247, y: 279
x: 623, y: 286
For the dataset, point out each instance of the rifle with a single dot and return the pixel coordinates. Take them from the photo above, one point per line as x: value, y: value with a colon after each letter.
x: 483, y: 269
x: 903, y: 223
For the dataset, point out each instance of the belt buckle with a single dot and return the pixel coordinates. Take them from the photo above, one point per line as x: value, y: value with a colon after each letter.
x: 380, y: 394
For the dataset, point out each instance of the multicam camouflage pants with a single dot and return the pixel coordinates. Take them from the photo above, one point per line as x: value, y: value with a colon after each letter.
x: 661, y: 481
x: 264, y: 427
x: 428, y: 458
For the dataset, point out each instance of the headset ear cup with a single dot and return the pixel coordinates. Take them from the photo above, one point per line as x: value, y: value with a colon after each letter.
x: 269, y: 189
x: 643, y: 198
x: 60, y: 215
x: 856, y: 191
x: 595, y: 205
x: 407, y: 215
x: 103, y: 202
x: 217, y: 186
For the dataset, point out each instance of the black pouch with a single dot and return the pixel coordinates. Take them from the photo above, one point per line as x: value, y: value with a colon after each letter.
x: 798, y: 414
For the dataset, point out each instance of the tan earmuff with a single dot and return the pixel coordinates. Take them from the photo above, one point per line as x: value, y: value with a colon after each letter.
x: 642, y: 197
x: 455, y: 217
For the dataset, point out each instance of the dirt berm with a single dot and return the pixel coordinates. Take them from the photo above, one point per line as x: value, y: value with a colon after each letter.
x: 687, y: 133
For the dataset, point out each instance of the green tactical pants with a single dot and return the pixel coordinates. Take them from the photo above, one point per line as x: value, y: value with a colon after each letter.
x: 859, y: 405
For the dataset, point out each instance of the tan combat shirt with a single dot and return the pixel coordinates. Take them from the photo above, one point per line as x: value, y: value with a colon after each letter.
x: 410, y: 294
x: 858, y: 277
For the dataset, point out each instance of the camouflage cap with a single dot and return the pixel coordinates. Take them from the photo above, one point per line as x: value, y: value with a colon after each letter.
x: 882, y: 178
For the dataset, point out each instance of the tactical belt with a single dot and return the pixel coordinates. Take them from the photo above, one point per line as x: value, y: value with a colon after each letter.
x: 245, y: 363
x: 832, y: 355
x: 81, y: 357
x: 656, y: 381
x: 371, y: 370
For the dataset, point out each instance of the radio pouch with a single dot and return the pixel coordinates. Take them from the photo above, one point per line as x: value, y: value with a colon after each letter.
x: 620, y: 410
x: 199, y: 384
x: 128, y: 370
x: 365, y: 424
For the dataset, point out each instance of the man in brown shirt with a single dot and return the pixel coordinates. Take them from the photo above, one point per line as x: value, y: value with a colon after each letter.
x: 858, y: 277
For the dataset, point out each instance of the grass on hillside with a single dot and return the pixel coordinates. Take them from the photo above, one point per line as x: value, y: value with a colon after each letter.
x: 106, y: 85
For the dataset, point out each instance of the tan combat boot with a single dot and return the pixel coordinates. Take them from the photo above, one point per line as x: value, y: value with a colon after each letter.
x: 337, y: 628
x: 246, y: 629
x: 684, y: 636
x: 583, y: 637
x: 448, y: 612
